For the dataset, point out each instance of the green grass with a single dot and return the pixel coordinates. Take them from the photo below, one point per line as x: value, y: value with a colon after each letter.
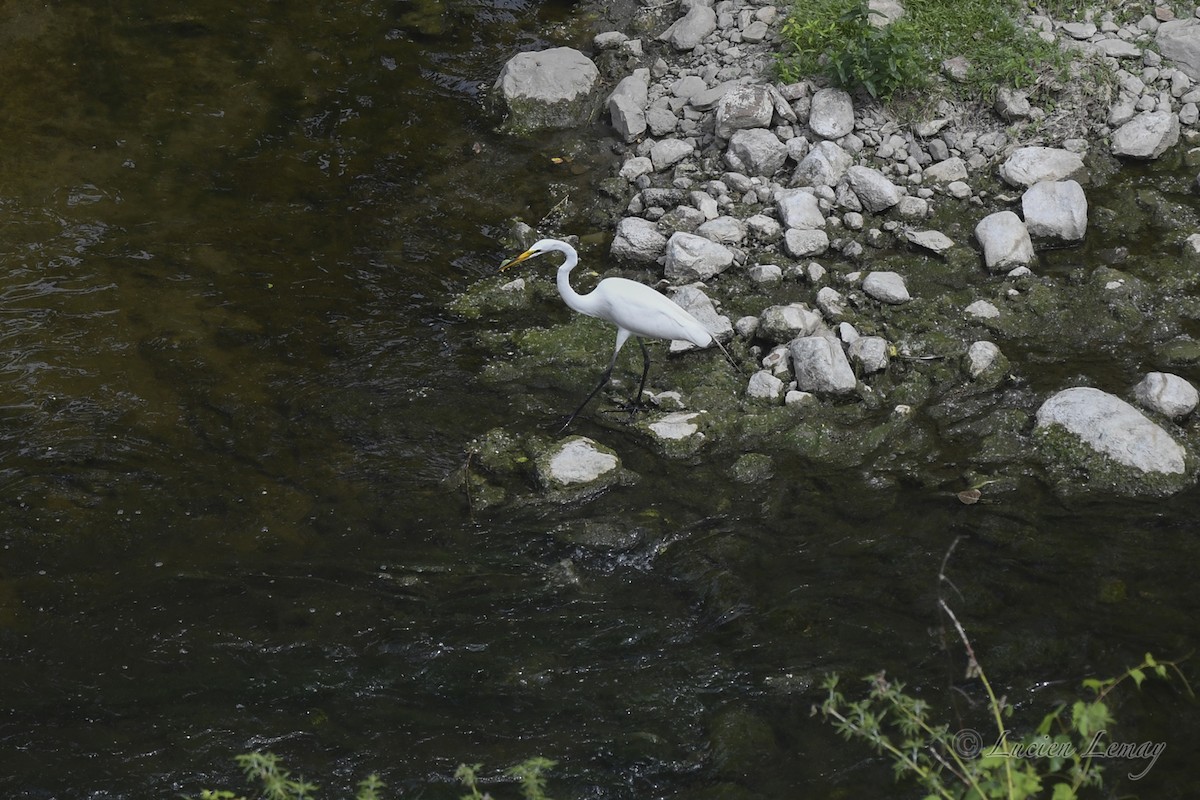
x: 833, y: 37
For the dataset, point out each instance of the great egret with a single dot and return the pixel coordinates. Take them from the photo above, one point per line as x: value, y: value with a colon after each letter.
x: 636, y: 310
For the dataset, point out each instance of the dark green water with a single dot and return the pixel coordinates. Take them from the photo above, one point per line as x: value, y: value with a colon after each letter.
x: 230, y: 398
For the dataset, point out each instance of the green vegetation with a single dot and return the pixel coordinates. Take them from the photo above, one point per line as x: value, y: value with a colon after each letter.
x: 275, y: 783
x: 836, y: 38
x: 965, y: 764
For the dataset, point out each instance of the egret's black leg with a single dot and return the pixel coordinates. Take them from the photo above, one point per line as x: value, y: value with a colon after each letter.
x: 603, y: 380
x: 636, y: 403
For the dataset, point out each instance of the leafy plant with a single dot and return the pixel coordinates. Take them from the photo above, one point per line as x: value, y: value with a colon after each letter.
x: 837, y: 38
x: 840, y: 40
x: 1060, y: 753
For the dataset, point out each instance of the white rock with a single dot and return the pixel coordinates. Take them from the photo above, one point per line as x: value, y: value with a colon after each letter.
x: 764, y: 228
x: 666, y: 153
x: 1111, y: 426
x: 870, y: 353
x: 946, y: 171
x: 824, y: 165
x: 980, y: 357
x: 555, y: 82
x: 676, y: 425
x: 756, y: 151
x: 797, y: 398
x: 692, y: 299
x: 1005, y: 241
x: 982, y: 309
x: 692, y: 28
x: 874, y: 190
x: 831, y: 115
x: 1179, y: 41
x: 1029, y: 165
x: 627, y: 104
x: 577, y: 460
x: 799, y: 243
x: 831, y: 303
x: 765, y: 274
x: 1147, y: 135
x: 725, y: 230
x: 1168, y: 394
x: 694, y: 258
x: 783, y: 323
x: 638, y: 240
x: 636, y: 167
x: 742, y: 107
x: 764, y: 386
x: 800, y: 209
x: 1055, y: 210
x: 821, y: 366
x: 886, y: 287
x: 934, y: 241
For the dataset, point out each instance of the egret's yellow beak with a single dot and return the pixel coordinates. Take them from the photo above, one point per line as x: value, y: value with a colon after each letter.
x: 509, y: 262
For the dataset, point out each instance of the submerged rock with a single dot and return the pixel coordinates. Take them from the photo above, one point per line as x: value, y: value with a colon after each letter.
x: 548, y: 89
x: 1110, y: 426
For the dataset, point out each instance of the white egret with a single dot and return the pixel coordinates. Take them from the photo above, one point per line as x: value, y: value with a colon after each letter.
x: 636, y: 309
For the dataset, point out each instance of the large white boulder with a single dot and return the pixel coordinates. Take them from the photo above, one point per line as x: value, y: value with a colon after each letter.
x: 1112, y: 427
x: 548, y: 89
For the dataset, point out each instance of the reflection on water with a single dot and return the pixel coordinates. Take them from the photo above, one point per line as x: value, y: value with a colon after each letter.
x: 229, y: 398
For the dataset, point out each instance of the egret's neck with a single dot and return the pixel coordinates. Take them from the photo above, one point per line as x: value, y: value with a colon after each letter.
x: 574, y: 299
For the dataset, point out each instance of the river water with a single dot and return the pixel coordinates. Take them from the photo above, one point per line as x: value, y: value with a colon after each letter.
x: 231, y: 400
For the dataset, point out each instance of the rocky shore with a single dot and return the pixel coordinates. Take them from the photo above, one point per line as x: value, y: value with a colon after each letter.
x: 872, y: 275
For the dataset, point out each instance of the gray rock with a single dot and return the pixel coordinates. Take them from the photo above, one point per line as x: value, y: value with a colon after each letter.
x: 884, y: 12
x: 820, y: 365
x: 783, y: 323
x: 706, y: 203
x: 1029, y: 165
x: 800, y: 209
x: 911, y: 207
x: 886, y: 287
x: 831, y: 303
x: 576, y: 462
x: 692, y: 299
x: 692, y: 28
x: 756, y: 151
x: 799, y: 243
x: 1005, y: 240
x: 980, y: 358
x: 694, y: 258
x: 766, y: 274
x: 1168, y: 394
x: 946, y: 171
x: 638, y: 240
x: 764, y: 228
x: 707, y: 99
x: 725, y: 230
x: 1055, y: 210
x: 688, y: 86
x: 764, y: 386
x: 825, y: 165
x: 831, y: 115
x: 743, y: 107
x: 548, y: 89
x: 1117, y: 48
x: 627, y: 104
x: 982, y: 309
x: 668, y: 152
x: 1147, y: 135
x: 661, y: 121
x: 933, y: 241
x: 1110, y: 426
x: 1012, y: 105
x: 1179, y: 41
x: 636, y: 167
x: 870, y: 353
x: 874, y: 191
